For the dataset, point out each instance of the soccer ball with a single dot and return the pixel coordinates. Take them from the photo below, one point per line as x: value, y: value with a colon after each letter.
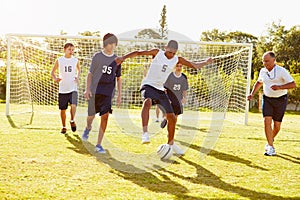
x: 164, y: 151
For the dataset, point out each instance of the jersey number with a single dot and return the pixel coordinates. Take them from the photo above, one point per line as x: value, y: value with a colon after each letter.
x: 164, y: 68
x: 107, y: 69
x: 68, y: 68
x: 176, y: 87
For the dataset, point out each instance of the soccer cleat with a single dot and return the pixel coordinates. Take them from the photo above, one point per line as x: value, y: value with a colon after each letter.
x: 145, y: 138
x: 177, y: 150
x: 85, y: 135
x: 99, y: 149
x: 163, y: 123
x: 63, y: 130
x: 270, y: 151
x: 73, y: 126
x: 266, y: 147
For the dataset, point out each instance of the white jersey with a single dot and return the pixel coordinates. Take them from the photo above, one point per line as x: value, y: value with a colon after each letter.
x: 159, y: 70
x: 67, y: 73
x: 277, y: 76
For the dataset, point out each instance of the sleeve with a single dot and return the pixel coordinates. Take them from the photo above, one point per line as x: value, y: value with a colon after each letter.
x: 286, y: 76
x: 185, y: 83
x: 93, y: 64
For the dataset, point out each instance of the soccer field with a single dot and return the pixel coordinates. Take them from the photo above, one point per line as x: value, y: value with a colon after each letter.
x: 37, y: 162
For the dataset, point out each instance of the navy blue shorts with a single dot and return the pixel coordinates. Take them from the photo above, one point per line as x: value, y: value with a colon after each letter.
x: 178, y: 109
x: 157, y: 97
x: 274, y: 107
x: 65, y: 99
x: 99, y: 103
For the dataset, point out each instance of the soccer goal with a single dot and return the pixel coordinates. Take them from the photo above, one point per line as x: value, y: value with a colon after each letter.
x: 220, y: 87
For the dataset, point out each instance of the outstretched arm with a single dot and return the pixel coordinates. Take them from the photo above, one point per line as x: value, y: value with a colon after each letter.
x: 133, y: 54
x: 194, y: 65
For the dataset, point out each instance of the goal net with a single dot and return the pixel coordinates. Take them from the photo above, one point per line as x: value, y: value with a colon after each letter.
x: 217, y: 91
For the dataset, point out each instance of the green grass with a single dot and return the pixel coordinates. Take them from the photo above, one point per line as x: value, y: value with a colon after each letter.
x: 37, y: 162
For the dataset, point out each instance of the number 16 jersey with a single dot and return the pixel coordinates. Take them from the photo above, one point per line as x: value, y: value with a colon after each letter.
x: 67, y: 73
x: 159, y: 70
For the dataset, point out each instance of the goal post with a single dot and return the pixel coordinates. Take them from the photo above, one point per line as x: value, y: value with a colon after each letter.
x: 219, y: 87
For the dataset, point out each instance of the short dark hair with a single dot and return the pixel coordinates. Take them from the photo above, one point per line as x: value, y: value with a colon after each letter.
x: 67, y: 45
x: 109, y: 38
x: 271, y: 53
x: 173, y: 44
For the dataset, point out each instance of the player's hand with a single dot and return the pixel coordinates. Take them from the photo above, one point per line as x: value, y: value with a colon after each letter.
x: 76, y: 80
x: 249, y: 97
x: 209, y: 60
x: 275, y: 87
x: 183, y: 101
x: 119, y: 60
x: 119, y: 100
x: 87, y: 94
x: 57, y: 80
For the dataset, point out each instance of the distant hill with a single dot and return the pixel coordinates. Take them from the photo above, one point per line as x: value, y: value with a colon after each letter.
x: 172, y: 35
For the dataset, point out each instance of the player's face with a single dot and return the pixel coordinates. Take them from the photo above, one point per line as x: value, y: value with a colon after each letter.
x: 110, y: 47
x: 69, y: 51
x: 178, y: 67
x: 268, y: 61
x: 170, y: 53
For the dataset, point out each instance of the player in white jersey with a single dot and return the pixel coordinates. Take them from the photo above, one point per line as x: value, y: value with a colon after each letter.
x: 152, y: 88
x: 276, y: 81
x: 69, y: 72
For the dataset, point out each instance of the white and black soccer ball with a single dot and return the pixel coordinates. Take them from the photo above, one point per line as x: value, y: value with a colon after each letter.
x: 164, y: 151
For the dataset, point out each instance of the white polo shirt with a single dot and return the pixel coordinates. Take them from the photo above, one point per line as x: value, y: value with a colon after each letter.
x: 277, y: 76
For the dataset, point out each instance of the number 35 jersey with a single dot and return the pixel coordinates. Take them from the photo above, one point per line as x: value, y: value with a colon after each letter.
x: 159, y: 70
x: 67, y: 73
x: 104, y: 71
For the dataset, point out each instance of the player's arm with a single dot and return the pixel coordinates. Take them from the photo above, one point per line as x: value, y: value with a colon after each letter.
x: 119, y: 86
x: 78, y: 72
x: 184, y: 97
x: 195, y: 65
x: 255, y: 88
x: 133, y: 54
x: 55, y: 67
x: 87, y: 93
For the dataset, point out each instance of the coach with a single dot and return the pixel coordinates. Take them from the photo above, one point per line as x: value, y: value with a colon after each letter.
x: 276, y: 81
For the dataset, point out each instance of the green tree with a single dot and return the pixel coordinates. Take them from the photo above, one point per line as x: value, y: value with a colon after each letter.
x: 294, y: 94
x: 90, y: 33
x: 147, y: 34
x: 213, y: 36
x: 163, y: 30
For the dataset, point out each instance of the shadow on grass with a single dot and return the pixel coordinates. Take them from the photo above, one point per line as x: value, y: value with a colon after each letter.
x: 75, y: 140
x: 206, y: 177
x: 165, y: 184
x: 192, y: 128
x: 290, y: 158
x: 140, y: 177
x: 222, y: 156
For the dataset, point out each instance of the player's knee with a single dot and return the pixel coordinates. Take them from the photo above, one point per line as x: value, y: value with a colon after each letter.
x: 148, y: 103
x: 171, y: 118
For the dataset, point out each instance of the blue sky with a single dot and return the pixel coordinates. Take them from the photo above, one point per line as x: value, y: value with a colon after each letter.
x: 190, y: 17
